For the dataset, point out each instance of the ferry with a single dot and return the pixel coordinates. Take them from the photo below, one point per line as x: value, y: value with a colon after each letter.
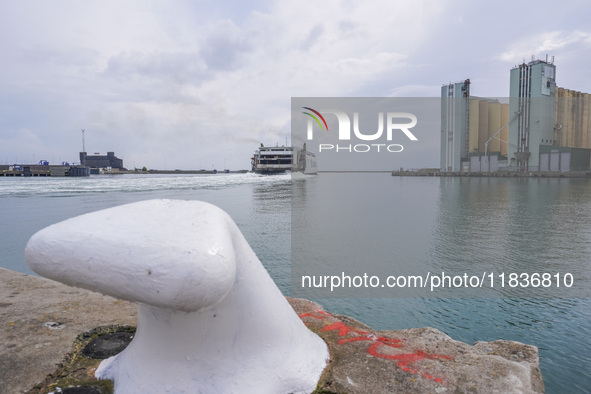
x: 278, y: 159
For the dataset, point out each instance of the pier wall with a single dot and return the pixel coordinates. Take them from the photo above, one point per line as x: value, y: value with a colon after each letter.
x: 43, y: 170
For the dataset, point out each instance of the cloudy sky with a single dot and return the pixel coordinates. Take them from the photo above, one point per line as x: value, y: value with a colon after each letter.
x: 199, y: 84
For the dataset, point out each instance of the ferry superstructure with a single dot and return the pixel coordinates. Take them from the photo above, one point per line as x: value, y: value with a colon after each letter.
x: 278, y: 159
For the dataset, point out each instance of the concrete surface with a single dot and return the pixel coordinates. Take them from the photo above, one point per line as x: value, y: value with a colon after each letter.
x: 40, y: 320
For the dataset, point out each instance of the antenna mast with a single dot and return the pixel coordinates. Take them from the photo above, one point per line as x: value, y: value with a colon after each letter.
x: 83, y: 147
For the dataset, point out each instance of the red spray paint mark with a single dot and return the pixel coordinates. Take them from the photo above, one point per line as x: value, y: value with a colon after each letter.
x: 319, y: 314
x: 343, y: 329
x: 402, y: 360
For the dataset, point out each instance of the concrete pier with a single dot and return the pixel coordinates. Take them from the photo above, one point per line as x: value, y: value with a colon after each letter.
x: 495, y: 174
x: 41, y: 319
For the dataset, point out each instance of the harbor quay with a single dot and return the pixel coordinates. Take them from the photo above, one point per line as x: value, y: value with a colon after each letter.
x: 40, y: 170
x: 43, y: 170
x: 499, y: 174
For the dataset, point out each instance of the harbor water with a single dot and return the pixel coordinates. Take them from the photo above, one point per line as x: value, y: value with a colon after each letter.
x: 527, y: 224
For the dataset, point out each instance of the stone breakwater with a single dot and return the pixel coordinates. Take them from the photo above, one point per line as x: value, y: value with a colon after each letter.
x: 40, y: 321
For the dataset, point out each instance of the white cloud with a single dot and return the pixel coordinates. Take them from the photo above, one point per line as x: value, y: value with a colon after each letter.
x: 544, y: 43
x: 148, y: 78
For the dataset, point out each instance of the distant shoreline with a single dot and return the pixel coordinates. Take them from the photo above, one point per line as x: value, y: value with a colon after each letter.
x: 188, y: 172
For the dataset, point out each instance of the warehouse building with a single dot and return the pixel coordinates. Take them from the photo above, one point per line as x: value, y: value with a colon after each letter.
x: 101, y: 161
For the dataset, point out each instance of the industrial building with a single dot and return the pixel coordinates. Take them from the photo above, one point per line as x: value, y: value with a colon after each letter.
x: 532, y: 99
x: 455, y: 103
x: 101, y: 161
x: 573, y: 128
x: 542, y: 127
x: 473, y: 130
x: 552, y: 131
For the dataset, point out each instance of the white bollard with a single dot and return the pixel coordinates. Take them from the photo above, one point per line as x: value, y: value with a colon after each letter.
x: 211, y: 320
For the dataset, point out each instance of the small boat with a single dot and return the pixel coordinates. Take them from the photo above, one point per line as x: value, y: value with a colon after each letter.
x: 278, y: 159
